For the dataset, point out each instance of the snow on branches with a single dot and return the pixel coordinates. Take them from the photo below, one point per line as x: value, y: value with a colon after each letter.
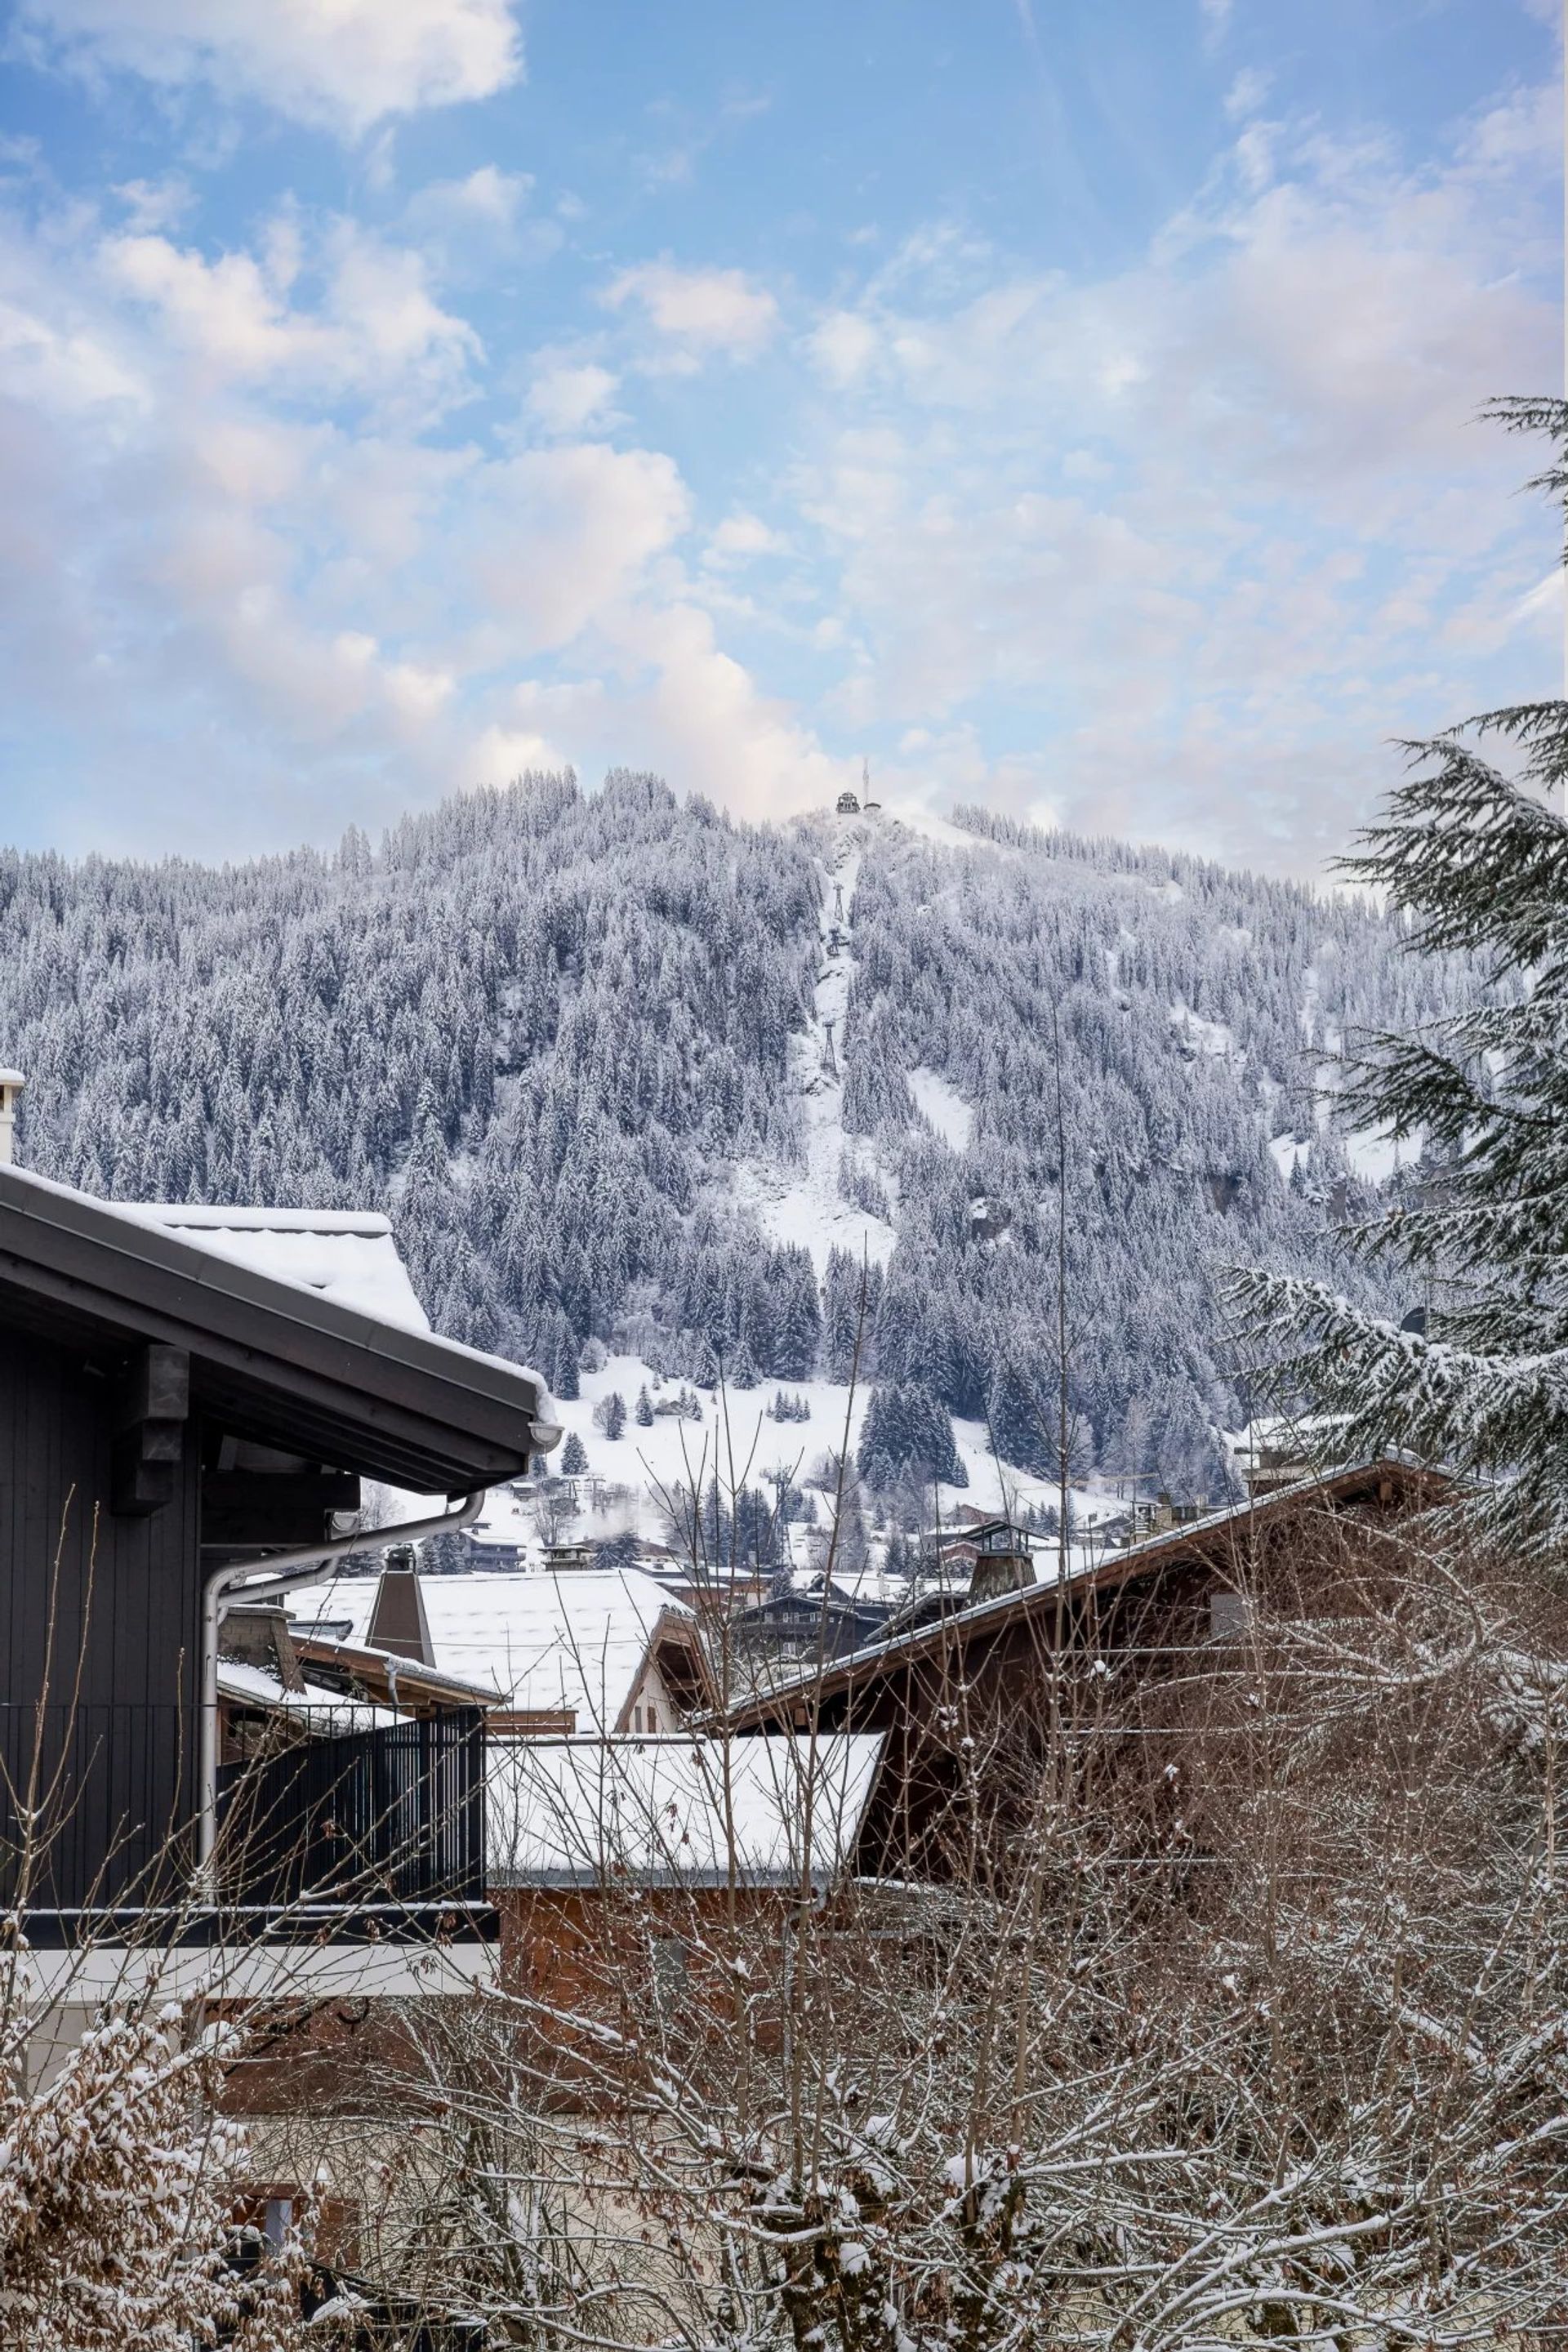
x: 116, y: 2200
x: 1476, y: 859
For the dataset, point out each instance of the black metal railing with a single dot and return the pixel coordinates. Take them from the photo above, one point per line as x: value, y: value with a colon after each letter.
x: 393, y: 1817
x: 97, y: 1817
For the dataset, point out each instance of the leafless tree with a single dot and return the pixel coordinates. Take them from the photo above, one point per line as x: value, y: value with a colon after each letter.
x: 1228, y: 2004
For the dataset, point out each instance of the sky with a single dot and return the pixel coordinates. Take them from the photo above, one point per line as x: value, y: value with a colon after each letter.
x: 1067, y: 404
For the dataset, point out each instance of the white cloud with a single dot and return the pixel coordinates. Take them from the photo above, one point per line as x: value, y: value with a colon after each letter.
x: 468, y: 227
x: 843, y: 346
x: 1171, y: 550
x: 376, y: 331
x: 739, y: 537
x: 1162, y: 513
x: 488, y: 196
x: 154, y: 204
x: 566, y: 396
x: 344, y: 611
x: 701, y: 718
x: 343, y: 63
x: 223, y: 310
x: 697, y: 312
x: 1246, y: 93
x: 564, y: 531
x: 51, y: 367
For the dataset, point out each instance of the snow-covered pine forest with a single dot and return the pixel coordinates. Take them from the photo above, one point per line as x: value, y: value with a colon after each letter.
x: 624, y: 1070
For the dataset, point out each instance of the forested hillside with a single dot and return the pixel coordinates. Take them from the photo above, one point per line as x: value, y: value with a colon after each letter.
x: 624, y: 1069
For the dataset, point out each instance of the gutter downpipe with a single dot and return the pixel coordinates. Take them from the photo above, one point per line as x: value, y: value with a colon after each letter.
x: 283, y: 1573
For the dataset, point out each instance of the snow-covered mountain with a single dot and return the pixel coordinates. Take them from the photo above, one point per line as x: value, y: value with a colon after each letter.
x: 628, y: 1074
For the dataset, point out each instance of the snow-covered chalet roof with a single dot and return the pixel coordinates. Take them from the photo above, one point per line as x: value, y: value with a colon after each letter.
x: 566, y: 1812
x: 348, y: 1256
x: 544, y: 1642
x: 319, y: 1712
x: 387, y: 1399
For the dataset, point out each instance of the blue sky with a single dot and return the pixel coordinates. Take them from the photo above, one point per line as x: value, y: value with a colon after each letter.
x: 1068, y: 404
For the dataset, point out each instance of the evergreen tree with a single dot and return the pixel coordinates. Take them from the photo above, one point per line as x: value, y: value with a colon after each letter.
x: 1015, y: 1420
x: 906, y: 1429
x: 643, y: 1410
x: 446, y: 1553
x: 610, y: 1415
x: 1476, y: 859
x: 848, y: 1546
x: 541, y: 1030
x: 573, y: 1456
x: 799, y: 1320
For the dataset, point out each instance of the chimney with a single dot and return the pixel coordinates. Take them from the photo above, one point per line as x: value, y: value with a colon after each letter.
x: 11, y: 1085
x: 397, y: 1620
x: 262, y: 1635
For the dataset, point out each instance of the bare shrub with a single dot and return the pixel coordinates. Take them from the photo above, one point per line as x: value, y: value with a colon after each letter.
x: 1231, y: 2007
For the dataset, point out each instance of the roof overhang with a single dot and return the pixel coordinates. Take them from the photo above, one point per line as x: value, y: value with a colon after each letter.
x: 1199, y: 1542
x: 269, y: 1359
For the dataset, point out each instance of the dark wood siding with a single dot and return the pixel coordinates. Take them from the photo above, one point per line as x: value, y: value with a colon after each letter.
x: 118, y: 1680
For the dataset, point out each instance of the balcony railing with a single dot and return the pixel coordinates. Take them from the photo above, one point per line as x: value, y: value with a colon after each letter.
x: 372, y: 1829
x: 389, y: 1817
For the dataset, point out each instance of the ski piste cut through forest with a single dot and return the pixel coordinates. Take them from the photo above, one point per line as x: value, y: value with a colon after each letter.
x: 622, y: 1068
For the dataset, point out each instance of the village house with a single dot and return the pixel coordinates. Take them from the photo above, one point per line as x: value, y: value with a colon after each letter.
x: 575, y: 1650
x: 968, y: 1695
x: 624, y: 1853
x: 190, y: 1399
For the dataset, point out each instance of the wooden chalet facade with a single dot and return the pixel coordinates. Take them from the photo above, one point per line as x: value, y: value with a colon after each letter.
x: 973, y: 1690
x: 168, y: 1416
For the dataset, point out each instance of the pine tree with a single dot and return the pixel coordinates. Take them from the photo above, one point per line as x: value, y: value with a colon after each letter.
x: 445, y: 1554
x: 573, y: 1456
x: 799, y: 1319
x: 1475, y: 860
x: 610, y: 1415
x: 1015, y: 1415
x: 644, y: 1409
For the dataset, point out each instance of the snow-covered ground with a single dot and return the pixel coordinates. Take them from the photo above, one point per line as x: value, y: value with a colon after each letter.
x: 939, y: 1103
x: 1287, y: 1151
x: 632, y: 1481
x: 1201, y: 1036
x: 939, y: 831
x: 805, y: 1206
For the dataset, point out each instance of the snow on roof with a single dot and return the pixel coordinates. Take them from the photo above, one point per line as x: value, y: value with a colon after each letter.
x: 332, y: 1634
x: 322, y: 1711
x: 544, y: 1642
x: 568, y: 1811
x: 505, y: 1520
x: 348, y: 1256
x: 393, y: 1304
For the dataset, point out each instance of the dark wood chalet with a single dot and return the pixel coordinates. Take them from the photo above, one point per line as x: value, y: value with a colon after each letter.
x: 168, y: 1420
x: 970, y: 1698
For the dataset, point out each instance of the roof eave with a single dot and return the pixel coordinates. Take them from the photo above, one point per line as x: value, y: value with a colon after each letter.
x: 270, y: 1355
x: 1170, y: 1542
